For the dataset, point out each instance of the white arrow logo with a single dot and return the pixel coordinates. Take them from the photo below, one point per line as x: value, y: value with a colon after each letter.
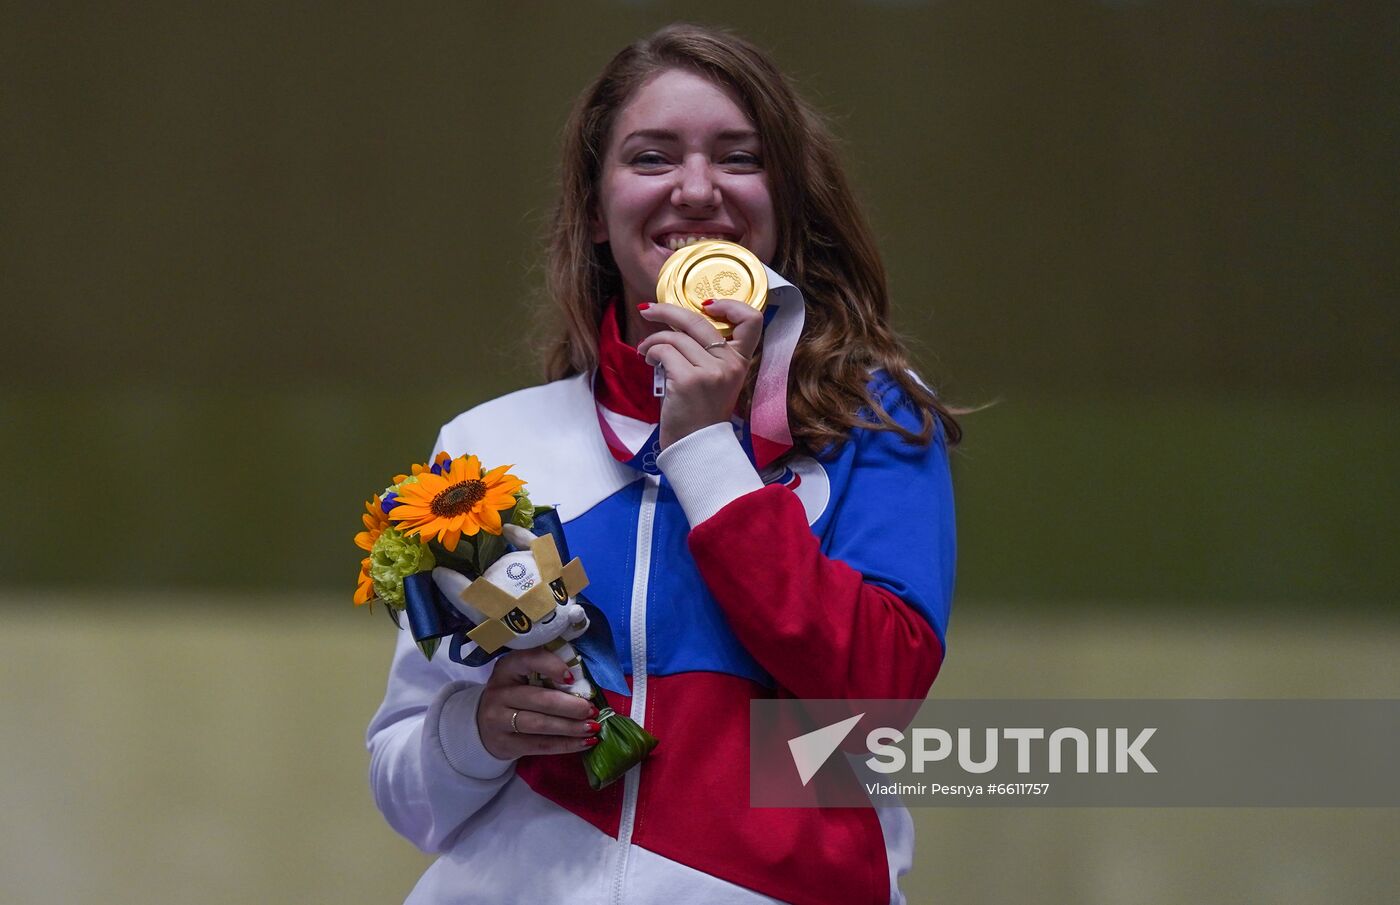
x: 811, y: 750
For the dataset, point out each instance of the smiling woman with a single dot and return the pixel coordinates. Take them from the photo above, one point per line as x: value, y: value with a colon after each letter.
x: 728, y: 571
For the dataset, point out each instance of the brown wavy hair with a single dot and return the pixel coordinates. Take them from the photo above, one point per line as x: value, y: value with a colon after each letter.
x: 825, y: 246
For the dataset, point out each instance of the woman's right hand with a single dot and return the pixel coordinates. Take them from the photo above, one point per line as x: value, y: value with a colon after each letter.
x: 547, y: 721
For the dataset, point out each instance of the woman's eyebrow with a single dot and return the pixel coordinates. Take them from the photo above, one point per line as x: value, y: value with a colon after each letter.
x: 668, y: 135
x: 652, y: 135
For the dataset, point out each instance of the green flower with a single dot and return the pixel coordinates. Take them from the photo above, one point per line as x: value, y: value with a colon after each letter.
x: 394, y: 557
x: 524, y: 512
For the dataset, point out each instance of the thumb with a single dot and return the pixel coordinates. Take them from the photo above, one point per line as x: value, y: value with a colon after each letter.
x: 516, y: 667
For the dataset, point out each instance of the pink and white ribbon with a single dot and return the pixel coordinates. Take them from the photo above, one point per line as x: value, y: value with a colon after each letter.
x: 768, y: 415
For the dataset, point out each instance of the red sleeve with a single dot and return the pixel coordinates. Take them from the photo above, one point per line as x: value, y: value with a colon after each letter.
x: 811, y: 621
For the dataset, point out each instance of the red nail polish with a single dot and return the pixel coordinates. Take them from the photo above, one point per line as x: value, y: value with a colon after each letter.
x: 590, y: 742
x: 708, y: 302
x: 569, y: 678
x: 642, y: 306
x: 594, y: 711
x: 594, y: 726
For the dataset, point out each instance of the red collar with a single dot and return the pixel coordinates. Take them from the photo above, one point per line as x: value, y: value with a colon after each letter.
x: 624, y: 383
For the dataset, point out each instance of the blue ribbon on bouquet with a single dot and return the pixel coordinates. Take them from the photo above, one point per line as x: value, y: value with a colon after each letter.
x: 596, y: 645
x: 432, y: 616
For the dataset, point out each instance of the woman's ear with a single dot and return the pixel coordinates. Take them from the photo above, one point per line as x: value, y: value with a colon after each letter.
x: 597, y: 228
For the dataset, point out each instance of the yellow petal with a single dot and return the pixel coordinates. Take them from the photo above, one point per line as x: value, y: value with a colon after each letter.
x: 427, y: 484
x: 495, y: 473
x: 506, y: 482
x: 498, y: 499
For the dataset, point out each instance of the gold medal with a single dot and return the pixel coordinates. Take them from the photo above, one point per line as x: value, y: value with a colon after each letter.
x: 712, y: 270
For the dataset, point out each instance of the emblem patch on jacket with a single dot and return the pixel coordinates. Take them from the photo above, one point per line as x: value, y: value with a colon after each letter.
x: 805, y: 478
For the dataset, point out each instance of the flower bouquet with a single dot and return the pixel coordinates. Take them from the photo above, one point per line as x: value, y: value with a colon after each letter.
x: 464, y: 553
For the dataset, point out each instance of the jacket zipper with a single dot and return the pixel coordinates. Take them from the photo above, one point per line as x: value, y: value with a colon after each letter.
x: 641, y: 579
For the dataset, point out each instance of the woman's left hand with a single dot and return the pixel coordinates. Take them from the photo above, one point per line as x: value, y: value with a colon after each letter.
x: 704, y: 374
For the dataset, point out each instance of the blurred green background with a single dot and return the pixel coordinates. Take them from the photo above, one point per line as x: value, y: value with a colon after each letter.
x: 253, y: 255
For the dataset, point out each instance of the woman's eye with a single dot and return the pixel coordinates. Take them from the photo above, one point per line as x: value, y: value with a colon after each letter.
x: 743, y: 159
x: 649, y: 159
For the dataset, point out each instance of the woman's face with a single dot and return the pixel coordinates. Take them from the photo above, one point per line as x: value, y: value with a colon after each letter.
x: 683, y: 162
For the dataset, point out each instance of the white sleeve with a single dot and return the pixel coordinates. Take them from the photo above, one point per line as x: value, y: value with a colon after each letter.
x: 428, y: 769
x: 708, y: 470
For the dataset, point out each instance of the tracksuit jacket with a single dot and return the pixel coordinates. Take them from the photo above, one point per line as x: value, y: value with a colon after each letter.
x: 827, y: 578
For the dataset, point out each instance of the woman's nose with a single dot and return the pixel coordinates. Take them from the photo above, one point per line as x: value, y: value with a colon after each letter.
x: 696, y: 187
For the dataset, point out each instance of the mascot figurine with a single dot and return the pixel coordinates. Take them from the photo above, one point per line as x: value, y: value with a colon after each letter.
x: 525, y: 599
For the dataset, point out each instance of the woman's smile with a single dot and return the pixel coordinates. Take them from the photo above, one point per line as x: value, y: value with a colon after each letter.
x: 678, y: 240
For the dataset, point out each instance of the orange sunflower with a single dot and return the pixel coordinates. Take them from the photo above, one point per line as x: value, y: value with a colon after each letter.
x: 375, y: 522
x: 463, y: 499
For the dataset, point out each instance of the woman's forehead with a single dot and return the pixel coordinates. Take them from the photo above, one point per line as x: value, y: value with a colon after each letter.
x: 682, y: 102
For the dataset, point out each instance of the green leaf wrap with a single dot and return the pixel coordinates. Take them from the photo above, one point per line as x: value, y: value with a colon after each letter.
x: 622, y: 744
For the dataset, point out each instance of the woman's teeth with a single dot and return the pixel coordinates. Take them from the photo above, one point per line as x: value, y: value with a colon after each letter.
x: 676, y: 243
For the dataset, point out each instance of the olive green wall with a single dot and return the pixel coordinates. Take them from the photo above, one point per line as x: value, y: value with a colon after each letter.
x: 252, y: 256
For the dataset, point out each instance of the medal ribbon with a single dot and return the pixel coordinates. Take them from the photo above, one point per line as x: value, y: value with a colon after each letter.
x: 768, y: 416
